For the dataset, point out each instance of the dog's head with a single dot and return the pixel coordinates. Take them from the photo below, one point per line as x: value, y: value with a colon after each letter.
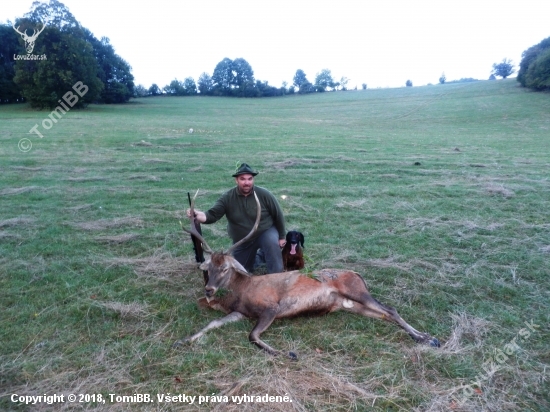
x: 294, y: 238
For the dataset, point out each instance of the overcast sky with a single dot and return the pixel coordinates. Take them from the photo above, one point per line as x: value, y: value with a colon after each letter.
x: 378, y: 42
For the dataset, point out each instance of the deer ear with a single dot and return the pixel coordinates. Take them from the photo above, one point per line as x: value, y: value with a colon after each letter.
x: 239, y: 268
x: 204, y: 265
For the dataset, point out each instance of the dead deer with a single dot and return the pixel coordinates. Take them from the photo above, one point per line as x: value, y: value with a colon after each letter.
x: 284, y: 295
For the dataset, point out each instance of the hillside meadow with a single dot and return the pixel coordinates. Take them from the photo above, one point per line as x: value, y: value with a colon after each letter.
x: 439, y: 196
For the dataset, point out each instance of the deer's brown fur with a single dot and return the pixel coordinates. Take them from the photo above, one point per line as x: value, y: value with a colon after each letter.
x: 288, y: 294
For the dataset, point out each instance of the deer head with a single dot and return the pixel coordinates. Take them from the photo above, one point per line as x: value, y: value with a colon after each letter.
x: 221, y: 265
x: 29, y: 40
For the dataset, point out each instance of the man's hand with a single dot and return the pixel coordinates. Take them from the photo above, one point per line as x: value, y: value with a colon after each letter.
x: 282, y: 243
x: 199, y: 216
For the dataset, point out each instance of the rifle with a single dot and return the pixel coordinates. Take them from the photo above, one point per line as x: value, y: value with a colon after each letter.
x: 197, y: 244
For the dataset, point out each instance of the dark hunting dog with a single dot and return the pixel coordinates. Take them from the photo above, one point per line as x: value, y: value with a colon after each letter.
x: 293, y: 255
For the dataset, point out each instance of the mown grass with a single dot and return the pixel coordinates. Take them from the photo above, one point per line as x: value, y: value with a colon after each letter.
x: 438, y: 196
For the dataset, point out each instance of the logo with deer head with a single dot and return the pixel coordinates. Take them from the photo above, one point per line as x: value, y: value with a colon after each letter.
x: 29, y: 40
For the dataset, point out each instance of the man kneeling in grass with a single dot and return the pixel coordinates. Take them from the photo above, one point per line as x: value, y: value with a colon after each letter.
x: 240, y: 210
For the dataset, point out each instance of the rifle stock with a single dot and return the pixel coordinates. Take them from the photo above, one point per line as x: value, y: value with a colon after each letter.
x: 197, y: 244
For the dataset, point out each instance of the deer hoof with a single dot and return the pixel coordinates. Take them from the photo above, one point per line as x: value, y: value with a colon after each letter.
x: 435, y: 342
x: 292, y: 356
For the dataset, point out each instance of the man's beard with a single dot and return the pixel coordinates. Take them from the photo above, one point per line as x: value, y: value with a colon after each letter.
x: 247, y: 190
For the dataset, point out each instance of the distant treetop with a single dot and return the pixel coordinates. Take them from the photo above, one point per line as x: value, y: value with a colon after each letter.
x: 503, y: 69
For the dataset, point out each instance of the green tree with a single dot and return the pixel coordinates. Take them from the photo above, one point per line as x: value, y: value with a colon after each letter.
x: 154, y: 90
x: 343, y: 82
x: 408, y: 83
x: 114, y: 71
x: 70, y: 59
x: 299, y: 78
x: 263, y: 89
x: 140, y: 91
x: 324, y: 79
x: 242, y: 73
x: 68, y: 47
x: 306, y: 88
x: 10, y: 92
x: 189, y: 86
x: 55, y: 13
x: 528, y: 57
x: 175, y: 88
x: 233, y: 77
x: 443, y: 78
x: 284, y: 87
x: 222, y: 78
x: 538, y: 74
x: 205, y: 84
x: 503, y: 69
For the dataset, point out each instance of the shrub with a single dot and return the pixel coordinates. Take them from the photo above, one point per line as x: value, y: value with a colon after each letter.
x: 538, y: 73
x: 529, y: 56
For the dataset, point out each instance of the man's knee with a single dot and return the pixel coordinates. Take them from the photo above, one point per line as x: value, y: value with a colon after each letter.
x: 269, y: 240
x: 272, y: 250
x: 245, y: 256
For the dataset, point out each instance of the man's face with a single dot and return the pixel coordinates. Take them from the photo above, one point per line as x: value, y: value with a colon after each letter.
x: 245, y: 183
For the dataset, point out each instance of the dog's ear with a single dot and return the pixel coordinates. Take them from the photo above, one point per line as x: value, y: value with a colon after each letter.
x: 301, y: 239
x: 288, y: 236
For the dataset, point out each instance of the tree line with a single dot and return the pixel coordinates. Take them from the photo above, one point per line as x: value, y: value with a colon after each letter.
x: 42, y: 78
x: 534, y: 68
x: 80, y: 56
x: 235, y: 78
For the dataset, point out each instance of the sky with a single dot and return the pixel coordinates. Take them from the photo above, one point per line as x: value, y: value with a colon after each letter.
x: 382, y: 43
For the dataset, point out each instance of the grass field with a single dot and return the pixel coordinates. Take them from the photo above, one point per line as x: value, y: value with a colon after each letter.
x: 439, y: 196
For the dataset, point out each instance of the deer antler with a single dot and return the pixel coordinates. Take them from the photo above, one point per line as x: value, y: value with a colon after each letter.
x: 35, y: 35
x: 17, y: 30
x: 193, y: 230
x: 256, y: 224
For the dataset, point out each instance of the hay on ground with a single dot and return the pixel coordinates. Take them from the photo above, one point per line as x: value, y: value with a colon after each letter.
x: 151, y: 178
x: 16, y: 221
x: 17, y: 190
x: 143, y: 143
x: 79, y: 208
x: 87, y: 179
x: 499, y: 190
x: 103, y: 224
x: 127, y: 310
x: 466, y: 327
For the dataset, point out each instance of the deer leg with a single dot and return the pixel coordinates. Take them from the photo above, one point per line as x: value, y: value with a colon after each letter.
x: 264, y: 321
x: 370, y: 307
x: 232, y: 317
